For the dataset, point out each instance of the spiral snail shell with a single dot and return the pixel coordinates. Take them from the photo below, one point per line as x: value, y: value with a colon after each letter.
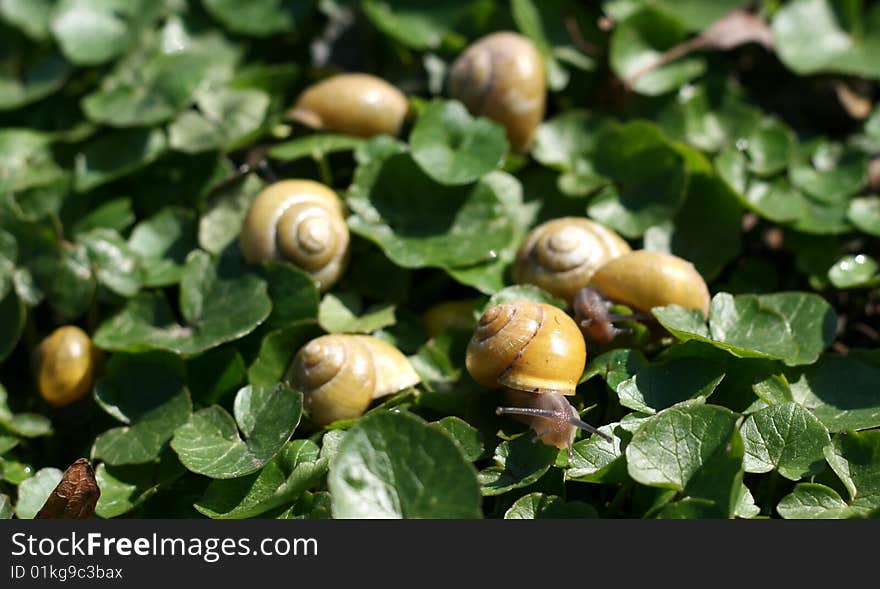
x: 536, y: 354
x: 66, y: 362
x: 501, y: 76
x: 300, y: 221
x: 561, y: 255
x: 340, y: 375
x: 355, y: 103
x: 645, y: 279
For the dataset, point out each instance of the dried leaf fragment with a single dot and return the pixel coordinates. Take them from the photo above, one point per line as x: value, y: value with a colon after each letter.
x: 76, y: 495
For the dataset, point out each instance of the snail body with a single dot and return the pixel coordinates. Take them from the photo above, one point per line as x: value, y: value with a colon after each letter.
x: 645, y: 279
x: 501, y: 76
x: 340, y: 375
x: 536, y: 354
x: 561, y: 255
x: 354, y: 103
x: 300, y: 221
x: 66, y: 363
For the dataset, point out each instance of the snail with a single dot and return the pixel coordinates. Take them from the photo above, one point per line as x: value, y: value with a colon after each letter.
x: 66, y: 363
x: 561, y: 255
x: 640, y: 280
x: 340, y: 375
x: 536, y: 354
x: 300, y: 221
x: 356, y: 104
x: 501, y: 76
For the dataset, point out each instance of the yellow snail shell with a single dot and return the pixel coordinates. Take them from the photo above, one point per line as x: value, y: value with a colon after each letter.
x: 300, y: 221
x: 340, y: 375
x: 561, y: 255
x: 527, y: 346
x: 645, y: 279
x: 356, y: 104
x: 501, y: 76
x: 66, y: 366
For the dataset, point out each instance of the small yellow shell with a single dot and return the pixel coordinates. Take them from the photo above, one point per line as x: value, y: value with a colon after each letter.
x: 356, y: 104
x: 66, y: 365
x: 340, y: 375
x: 527, y: 346
x: 562, y: 254
x: 300, y: 221
x: 645, y: 279
x: 501, y: 76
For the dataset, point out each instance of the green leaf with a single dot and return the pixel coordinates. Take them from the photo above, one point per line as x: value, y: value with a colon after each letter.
x: 116, y: 154
x: 454, y: 148
x: 854, y: 272
x: 113, y: 263
x: 12, y: 320
x: 225, y: 119
x: 518, y: 463
x: 210, y: 444
x: 451, y: 227
x: 33, y: 492
x: 216, y: 309
x: 792, y: 327
x: 864, y: 213
x: 294, y: 295
x: 813, y: 501
x: 95, y: 31
x: 344, y: 314
x: 839, y: 390
x: 162, y: 243
x: 638, y: 43
x: 148, y: 393
x: 784, y: 437
x: 259, y: 18
x: 215, y: 374
x: 124, y: 488
x: 5, y: 506
x: 31, y: 16
x: 542, y: 506
x: 413, y: 23
x: 224, y: 216
x: 693, y: 449
x: 294, y: 470
x: 468, y: 438
x: 316, y: 146
x: 394, y: 465
x: 649, y: 178
x: 26, y: 160
x: 158, y: 90
x: 596, y: 460
x: 27, y: 425
x: 769, y: 148
x: 663, y: 384
x: 277, y: 350
x: 568, y: 138
x: 814, y: 36
x: 37, y: 77
x: 855, y: 458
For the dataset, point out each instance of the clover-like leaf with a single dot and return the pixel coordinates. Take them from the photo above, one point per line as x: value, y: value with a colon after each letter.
x: 124, y: 488
x: 845, y: 47
x: 12, y: 321
x: 216, y: 309
x: 162, y: 243
x: 663, y: 384
x: 841, y: 391
x: 294, y: 470
x: 450, y: 227
x: 542, y: 506
x: 468, y: 438
x: 113, y: 262
x: 857, y: 271
x: 148, y: 393
x: 277, y: 349
x: 224, y: 216
x: 394, y: 465
x: 33, y: 492
x: 813, y: 501
x: 518, y: 463
x: 637, y: 45
x: 225, y: 119
x: 694, y: 449
x: 116, y: 154
x: 413, y: 23
x: 454, y: 148
x: 596, y: 460
x: 793, y: 327
x: 785, y: 437
x: 344, y: 314
x: 210, y: 443
x: 28, y: 425
x: 649, y: 178
x: 38, y: 76
x: 258, y: 17
x: 316, y: 146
